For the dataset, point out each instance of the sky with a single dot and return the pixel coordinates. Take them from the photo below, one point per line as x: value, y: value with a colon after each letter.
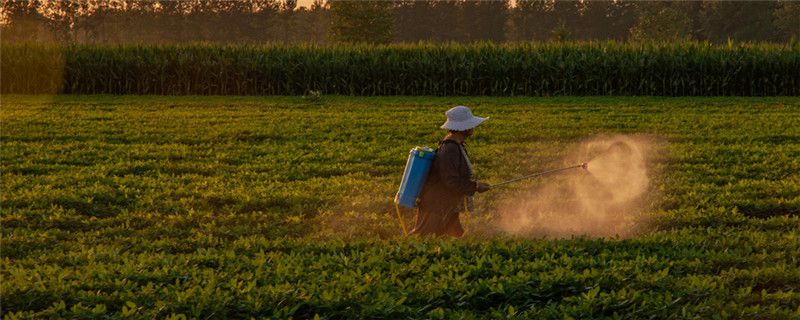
x: 307, y: 3
x: 304, y: 3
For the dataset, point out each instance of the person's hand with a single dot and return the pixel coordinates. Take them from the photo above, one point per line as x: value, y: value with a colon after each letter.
x: 483, y: 187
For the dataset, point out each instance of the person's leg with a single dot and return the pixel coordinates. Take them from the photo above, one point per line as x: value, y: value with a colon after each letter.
x: 424, y: 223
x: 453, y: 226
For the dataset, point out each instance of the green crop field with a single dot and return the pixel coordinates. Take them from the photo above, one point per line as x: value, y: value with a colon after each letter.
x: 238, y: 207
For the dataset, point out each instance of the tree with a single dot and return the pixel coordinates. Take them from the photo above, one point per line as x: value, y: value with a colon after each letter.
x: 693, y: 10
x: 314, y: 22
x: 566, y: 15
x: 414, y: 21
x: 446, y: 15
x: 787, y: 20
x: 530, y: 21
x: 427, y: 20
x: 544, y: 19
x: 621, y: 18
x: 382, y: 21
x: 361, y: 21
x: 484, y: 20
x: 594, y: 22
x: 288, y: 16
x: 740, y: 20
x: 23, y: 23
x: 667, y: 24
x: 560, y: 32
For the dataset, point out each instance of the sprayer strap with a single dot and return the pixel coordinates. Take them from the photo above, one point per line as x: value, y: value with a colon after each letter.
x: 400, y: 217
x: 469, y: 163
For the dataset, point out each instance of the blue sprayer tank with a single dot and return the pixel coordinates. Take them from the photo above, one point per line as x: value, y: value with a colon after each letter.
x: 417, y: 167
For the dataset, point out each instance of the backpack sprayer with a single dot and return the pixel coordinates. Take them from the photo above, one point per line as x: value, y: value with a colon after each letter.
x: 419, y: 164
x: 417, y: 167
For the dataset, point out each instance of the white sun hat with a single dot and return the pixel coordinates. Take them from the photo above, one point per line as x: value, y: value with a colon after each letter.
x: 460, y: 118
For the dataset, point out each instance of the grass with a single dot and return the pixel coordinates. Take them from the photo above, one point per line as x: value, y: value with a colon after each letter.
x: 150, y: 206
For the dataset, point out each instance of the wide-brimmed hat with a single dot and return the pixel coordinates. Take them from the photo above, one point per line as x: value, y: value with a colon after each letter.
x: 460, y: 118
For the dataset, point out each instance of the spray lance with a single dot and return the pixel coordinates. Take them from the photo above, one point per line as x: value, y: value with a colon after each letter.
x: 583, y: 165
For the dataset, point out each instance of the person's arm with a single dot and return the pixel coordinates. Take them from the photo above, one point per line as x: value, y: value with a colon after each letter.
x: 450, y: 172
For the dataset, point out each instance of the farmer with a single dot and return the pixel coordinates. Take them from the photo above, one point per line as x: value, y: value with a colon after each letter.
x: 449, y: 186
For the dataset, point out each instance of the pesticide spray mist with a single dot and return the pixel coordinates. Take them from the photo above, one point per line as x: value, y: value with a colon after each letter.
x: 604, y: 201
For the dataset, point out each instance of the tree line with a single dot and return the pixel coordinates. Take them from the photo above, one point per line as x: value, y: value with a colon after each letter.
x: 258, y: 21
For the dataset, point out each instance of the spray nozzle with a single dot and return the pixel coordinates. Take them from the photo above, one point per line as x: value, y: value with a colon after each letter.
x: 585, y: 166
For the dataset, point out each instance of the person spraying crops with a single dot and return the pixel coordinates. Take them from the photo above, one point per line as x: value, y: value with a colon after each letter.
x: 449, y: 187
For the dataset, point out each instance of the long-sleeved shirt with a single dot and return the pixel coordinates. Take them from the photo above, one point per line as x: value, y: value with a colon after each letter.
x: 442, y: 197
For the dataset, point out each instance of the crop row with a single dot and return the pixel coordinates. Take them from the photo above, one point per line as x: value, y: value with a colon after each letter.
x: 686, y: 69
x: 690, y: 273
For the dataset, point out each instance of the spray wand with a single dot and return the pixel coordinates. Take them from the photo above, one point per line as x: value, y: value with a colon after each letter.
x: 583, y: 165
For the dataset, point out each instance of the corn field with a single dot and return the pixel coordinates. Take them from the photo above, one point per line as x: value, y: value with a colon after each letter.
x: 686, y: 69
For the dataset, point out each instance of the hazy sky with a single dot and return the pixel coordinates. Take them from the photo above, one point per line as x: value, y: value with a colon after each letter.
x: 304, y: 3
x: 307, y: 3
